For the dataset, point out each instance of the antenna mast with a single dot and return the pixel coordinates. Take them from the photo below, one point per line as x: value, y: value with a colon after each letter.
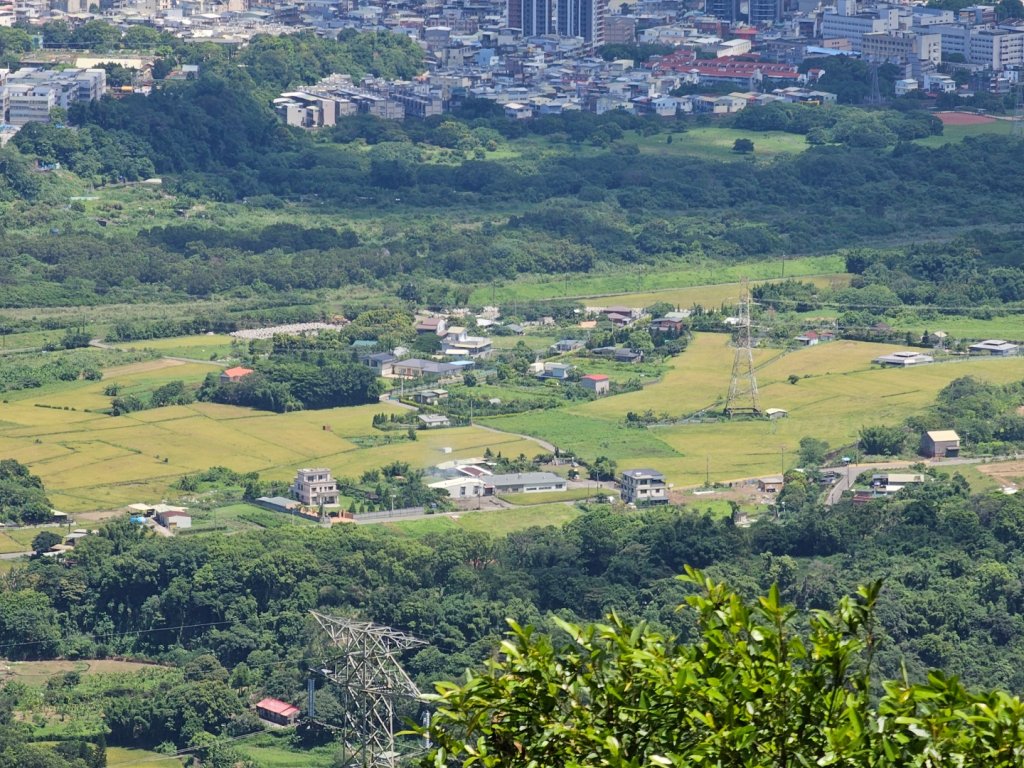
x: 743, y: 396
x: 365, y: 668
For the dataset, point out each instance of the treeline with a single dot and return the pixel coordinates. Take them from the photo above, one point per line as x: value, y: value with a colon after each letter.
x: 31, y: 372
x: 841, y: 125
x: 952, y: 597
x: 291, y: 385
x: 94, y: 154
x: 975, y: 275
x: 986, y: 416
x: 22, y: 497
x: 230, y: 321
x: 977, y: 269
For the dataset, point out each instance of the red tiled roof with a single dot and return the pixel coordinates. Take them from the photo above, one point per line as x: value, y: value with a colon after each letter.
x: 278, y: 707
x: 595, y: 377
x: 237, y: 372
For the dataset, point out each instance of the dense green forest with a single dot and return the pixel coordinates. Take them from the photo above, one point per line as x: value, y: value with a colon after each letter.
x: 753, y: 688
x: 951, y: 598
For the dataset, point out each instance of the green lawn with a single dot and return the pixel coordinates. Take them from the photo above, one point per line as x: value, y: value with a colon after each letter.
x: 980, y: 482
x: 532, y: 499
x: 539, y: 342
x: 715, y: 143
x: 952, y: 134
x: 589, y: 436
x: 494, y: 522
x: 198, y: 347
x: 1005, y: 327
x: 623, y: 280
x: 273, y: 751
x: 119, y: 757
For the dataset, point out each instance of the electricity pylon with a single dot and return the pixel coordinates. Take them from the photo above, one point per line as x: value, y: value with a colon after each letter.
x: 743, y: 396
x: 364, y: 667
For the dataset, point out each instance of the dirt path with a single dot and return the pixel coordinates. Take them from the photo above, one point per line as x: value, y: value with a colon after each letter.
x: 542, y: 443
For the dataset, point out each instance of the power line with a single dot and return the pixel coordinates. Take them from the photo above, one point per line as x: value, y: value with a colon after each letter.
x: 99, y: 635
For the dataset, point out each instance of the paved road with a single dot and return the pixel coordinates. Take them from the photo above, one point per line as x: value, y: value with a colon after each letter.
x: 15, y: 555
x: 542, y: 443
x: 848, y: 474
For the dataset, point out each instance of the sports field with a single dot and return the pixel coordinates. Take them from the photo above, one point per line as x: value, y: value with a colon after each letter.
x: 839, y: 392
x: 89, y: 460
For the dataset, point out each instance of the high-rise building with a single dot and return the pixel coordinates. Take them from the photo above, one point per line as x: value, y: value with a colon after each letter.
x: 582, y: 18
x: 726, y: 10
x: 764, y: 12
x: 533, y: 17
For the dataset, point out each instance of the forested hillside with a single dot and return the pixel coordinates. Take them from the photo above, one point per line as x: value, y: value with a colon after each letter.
x: 950, y: 563
x: 368, y: 202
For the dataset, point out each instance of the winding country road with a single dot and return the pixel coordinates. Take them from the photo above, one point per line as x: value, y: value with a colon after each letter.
x: 849, y: 473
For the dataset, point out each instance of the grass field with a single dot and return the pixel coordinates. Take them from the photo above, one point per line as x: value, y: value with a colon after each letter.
x: 119, y: 757
x: 240, y: 517
x: 1005, y: 327
x: 200, y: 347
x: 271, y: 749
x: 94, y: 461
x: 723, y: 293
x: 552, y: 497
x: 712, y: 142
x: 494, y: 522
x: 641, y: 280
x: 37, y: 673
x: 952, y: 134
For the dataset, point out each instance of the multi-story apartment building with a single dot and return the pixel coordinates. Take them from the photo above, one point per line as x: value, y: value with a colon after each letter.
x: 726, y: 10
x: 765, y: 12
x: 847, y: 22
x: 581, y: 18
x: 995, y: 49
x: 30, y: 94
x: 619, y: 29
x: 643, y: 486
x: 314, y: 487
x: 532, y: 17
x: 902, y: 47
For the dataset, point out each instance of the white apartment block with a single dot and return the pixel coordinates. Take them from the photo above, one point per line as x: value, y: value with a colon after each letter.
x: 314, y: 487
x: 30, y: 94
x: 988, y: 47
x: 902, y: 47
x: 995, y: 48
x: 835, y: 26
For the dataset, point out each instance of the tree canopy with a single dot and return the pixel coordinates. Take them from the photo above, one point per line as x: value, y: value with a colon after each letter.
x: 750, y: 689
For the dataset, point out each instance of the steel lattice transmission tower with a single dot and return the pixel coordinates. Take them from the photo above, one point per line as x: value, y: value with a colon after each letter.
x: 875, y: 94
x: 743, y: 397
x: 1017, y: 127
x: 364, y: 666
